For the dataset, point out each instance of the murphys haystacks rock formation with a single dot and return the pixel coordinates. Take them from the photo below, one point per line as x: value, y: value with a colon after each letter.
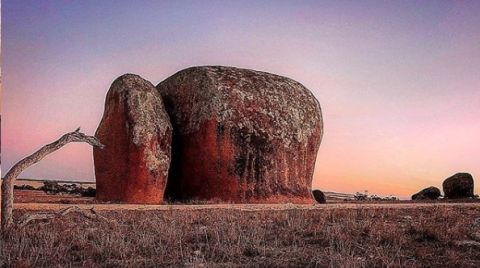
x: 136, y: 131
x: 241, y: 136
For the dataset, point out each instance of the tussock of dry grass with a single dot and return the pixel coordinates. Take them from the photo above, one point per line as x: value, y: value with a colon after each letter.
x: 293, y: 238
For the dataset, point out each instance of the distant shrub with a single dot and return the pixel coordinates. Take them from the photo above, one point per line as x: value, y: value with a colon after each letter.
x: 89, y: 192
x: 53, y: 188
x: 365, y: 197
x: 24, y: 187
x: 360, y: 196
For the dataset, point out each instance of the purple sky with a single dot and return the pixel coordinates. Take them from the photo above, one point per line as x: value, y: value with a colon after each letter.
x: 398, y: 81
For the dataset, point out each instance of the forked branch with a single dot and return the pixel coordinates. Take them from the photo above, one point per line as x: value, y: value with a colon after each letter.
x: 14, y: 172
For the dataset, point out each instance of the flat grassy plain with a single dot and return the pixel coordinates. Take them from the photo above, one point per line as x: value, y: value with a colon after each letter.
x: 310, y: 236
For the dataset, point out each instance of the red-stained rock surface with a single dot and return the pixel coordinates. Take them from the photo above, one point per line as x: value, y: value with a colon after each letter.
x: 241, y: 136
x: 136, y: 131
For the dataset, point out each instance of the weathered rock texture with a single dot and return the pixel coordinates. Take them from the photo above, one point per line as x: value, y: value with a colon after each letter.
x: 430, y: 193
x: 319, y: 196
x: 459, y: 185
x: 241, y: 135
x: 136, y: 131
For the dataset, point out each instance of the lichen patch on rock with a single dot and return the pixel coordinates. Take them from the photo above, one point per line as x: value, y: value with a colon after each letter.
x: 241, y: 135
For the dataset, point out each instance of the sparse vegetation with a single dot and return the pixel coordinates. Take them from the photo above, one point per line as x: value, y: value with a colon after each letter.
x: 53, y: 188
x: 365, y: 197
x: 220, y: 237
x: 25, y: 187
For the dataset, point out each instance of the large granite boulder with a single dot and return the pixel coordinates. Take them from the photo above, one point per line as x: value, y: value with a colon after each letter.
x: 459, y: 185
x: 136, y: 131
x: 241, y: 136
x: 430, y: 193
x: 319, y: 196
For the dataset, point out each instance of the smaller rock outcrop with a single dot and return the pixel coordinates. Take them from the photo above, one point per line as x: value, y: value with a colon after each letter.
x: 430, y: 193
x: 458, y: 186
x: 319, y: 196
x: 136, y: 131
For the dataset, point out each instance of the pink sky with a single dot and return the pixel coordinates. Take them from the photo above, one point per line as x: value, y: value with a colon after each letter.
x: 398, y: 81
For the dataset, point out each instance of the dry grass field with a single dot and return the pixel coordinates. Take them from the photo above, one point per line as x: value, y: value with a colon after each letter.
x: 411, y: 236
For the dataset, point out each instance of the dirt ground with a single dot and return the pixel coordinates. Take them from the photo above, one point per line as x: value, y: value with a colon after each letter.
x: 40, y: 197
x: 40, y: 201
x: 336, y: 234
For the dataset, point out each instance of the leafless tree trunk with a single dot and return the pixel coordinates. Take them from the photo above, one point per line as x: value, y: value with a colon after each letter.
x: 12, y: 174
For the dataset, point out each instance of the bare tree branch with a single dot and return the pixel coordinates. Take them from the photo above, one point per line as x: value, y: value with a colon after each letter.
x: 14, y: 172
x: 91, y: 214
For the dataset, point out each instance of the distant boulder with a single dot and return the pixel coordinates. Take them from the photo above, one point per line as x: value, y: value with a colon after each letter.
x: 430, y: 193
x: 319, y: 196
x: 458, y: 186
